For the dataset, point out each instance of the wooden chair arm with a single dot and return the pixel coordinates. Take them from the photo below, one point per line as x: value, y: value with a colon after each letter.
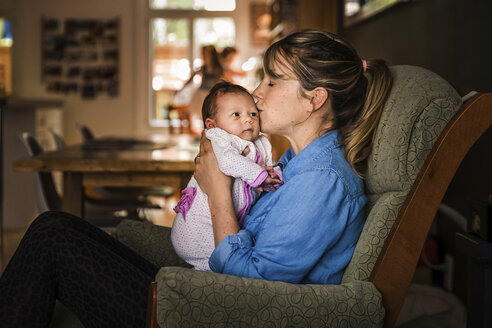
x: 151, y: 321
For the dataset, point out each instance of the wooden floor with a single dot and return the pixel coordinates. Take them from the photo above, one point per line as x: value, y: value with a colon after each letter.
x: 162, y: 217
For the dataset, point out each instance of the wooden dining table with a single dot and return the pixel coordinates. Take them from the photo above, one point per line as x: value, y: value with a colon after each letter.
x: 117, y: 162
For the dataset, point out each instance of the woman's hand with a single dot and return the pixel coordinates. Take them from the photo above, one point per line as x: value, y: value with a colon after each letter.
x: 217, y: 186
x: 272, y: 182
x: 210, y: 179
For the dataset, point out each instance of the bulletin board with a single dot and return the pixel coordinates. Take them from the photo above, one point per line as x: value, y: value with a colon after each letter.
x: 80, y: 56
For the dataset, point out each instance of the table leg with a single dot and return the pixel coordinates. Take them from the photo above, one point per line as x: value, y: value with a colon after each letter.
x: 73, y: 195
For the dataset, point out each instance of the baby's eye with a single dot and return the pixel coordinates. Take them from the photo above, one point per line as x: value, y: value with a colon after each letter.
x: 270, y: 84
x: 235, y: 114
x: 253, y: 114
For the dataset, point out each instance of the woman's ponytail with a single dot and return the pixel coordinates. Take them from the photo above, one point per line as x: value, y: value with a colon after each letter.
x: 357, y: 88
x: 358, y: 135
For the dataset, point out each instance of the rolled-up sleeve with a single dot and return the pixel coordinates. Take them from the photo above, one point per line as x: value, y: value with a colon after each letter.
x: 306, y: 220
x: 241, y: 240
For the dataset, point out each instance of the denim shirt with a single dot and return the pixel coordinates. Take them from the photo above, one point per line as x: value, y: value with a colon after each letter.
x: 306, y: 231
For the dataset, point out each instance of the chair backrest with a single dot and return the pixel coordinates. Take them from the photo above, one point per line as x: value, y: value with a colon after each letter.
x: 405, y: 181
x: 60, y: 144
x: 85, y: 132
x: 46, y: 194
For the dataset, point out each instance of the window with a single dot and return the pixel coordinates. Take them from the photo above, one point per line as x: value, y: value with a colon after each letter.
x: 178, y: 29
x: 210, y: 5
x: 5, y: 57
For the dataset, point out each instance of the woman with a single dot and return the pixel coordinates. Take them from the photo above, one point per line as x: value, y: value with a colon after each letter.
x: 227, y: 57
x: 319, y: 94
x: 210, y: 72
x: 315, y: 94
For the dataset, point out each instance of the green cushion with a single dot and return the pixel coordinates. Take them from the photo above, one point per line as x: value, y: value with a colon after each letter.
x: 153, y: 242
x: 418, y: 108
x: 189, y: 298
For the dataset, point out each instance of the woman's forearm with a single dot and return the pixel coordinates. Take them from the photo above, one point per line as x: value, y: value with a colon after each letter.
x: 224, y: 219
x: 217, y: 186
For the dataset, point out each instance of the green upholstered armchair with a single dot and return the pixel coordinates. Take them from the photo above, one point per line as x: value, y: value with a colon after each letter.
x: 424, y: 133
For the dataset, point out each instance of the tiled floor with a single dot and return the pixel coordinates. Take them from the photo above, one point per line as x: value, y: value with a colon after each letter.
x: 164, y: 217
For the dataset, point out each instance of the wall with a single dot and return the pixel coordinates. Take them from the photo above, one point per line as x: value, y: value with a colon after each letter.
x: 124, y: 115
x: 449, y: 37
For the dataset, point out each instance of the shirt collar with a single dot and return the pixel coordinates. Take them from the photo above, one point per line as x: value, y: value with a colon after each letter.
x: 319, y: 145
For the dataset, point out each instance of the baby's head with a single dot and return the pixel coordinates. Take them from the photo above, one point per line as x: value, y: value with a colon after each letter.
x: 232, y: 108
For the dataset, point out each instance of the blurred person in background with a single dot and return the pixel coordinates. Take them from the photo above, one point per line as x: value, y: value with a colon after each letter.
x: 210, y: 72
x: 227, y: 57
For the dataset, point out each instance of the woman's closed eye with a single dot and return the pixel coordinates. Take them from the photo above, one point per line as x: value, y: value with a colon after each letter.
x: 271, y: 82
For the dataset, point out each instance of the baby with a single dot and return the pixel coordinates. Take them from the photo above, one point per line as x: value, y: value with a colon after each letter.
x: 233, y: 127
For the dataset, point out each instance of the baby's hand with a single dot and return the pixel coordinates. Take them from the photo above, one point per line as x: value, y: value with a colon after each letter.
x: 272, y: 182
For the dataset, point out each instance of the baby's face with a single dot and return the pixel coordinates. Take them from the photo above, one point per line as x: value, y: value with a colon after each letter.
x: 237, y: 114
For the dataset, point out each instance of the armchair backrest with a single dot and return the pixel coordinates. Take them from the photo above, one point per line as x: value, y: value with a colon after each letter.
x: 405, y: 180
x: 418, y: 108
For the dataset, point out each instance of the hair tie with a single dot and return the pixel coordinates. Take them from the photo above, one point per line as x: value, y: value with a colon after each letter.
x: 364, y: 65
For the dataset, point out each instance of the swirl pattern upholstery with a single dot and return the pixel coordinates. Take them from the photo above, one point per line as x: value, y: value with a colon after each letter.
x: 419, y: 106
x: 189, y: 298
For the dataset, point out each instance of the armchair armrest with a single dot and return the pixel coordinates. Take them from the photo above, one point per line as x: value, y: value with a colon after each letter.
x: 186, y: 298
x: 151, y: 241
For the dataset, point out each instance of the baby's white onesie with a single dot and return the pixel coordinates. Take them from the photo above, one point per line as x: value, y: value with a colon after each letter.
x: 192, y: 234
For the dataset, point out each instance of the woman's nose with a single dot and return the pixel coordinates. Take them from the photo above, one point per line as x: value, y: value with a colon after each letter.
x: 256, y: 94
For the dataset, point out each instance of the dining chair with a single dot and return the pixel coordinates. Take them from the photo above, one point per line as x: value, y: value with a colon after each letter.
x: 425, y: 131
x: 163, y: 192
x: 46, y: 193
x: 103, y: 212
x: 85, y: 132
x: 59, y: 142
x: 138, y: 193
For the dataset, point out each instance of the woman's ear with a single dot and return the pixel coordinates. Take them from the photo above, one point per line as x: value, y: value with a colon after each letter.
x: 320, y: 95
x: 210, y: 124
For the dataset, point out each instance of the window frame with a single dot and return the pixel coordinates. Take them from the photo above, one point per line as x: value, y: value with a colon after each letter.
x: 142, y: 54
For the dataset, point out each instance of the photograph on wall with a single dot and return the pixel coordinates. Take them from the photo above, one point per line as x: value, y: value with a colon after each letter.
x: 80, y: 56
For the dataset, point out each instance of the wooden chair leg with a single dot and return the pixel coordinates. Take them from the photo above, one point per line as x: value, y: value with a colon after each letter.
x: 152, y: 306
